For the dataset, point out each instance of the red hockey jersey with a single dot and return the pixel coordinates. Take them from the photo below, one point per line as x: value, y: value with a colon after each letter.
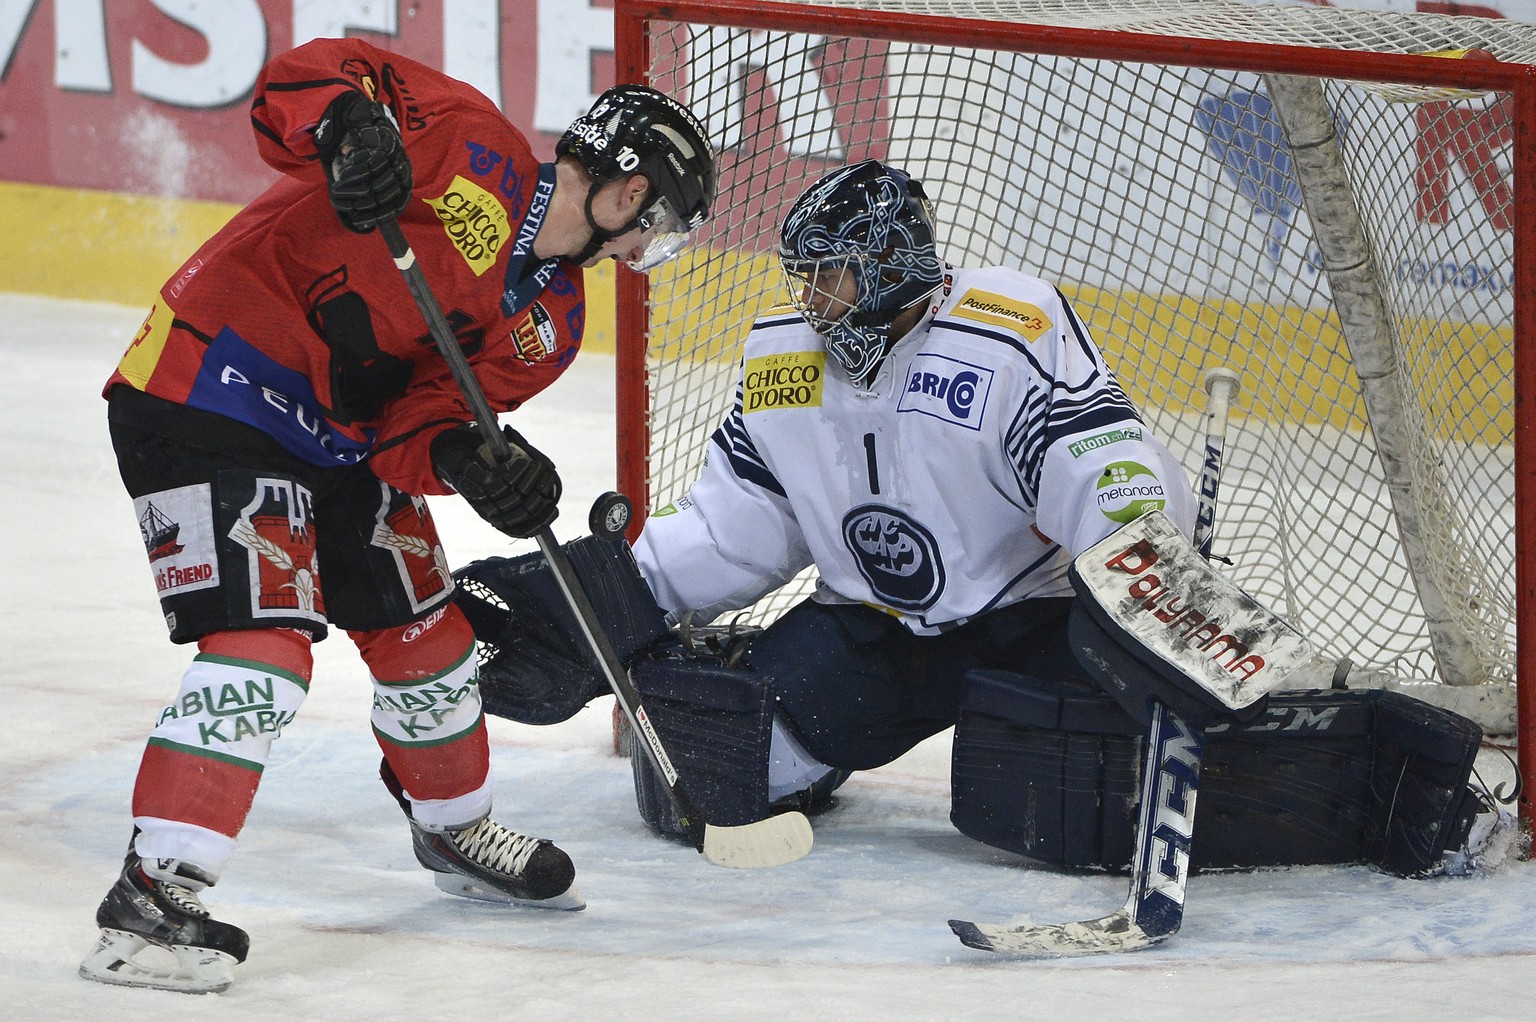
x: 289, y: 322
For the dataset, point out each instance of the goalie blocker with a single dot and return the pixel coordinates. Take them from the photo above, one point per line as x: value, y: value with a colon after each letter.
x: 1050, y: 769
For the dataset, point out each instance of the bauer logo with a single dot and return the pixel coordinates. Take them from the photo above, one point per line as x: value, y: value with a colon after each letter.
x: 474, y: 221
x: 1030, y: 321
x: 1078, y: 448
x: 790, y: 380
x: 946, y: 389
x: 896, y: 555
x: 1128, y: 490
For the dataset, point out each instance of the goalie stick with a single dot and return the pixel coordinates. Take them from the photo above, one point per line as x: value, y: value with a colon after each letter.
x: 772, y: 842
x: 1170, y: 781
x: 1165, y: 824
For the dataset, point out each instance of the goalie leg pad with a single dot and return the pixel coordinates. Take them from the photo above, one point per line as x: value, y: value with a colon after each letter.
x: 1424, y: 808
x: 535, y: 666
x: 716, y: 723
x: 1050, y: 771
x: 1045, y: 769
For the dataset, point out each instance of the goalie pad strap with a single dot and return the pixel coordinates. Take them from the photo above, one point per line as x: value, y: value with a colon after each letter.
x: 1050, y: 770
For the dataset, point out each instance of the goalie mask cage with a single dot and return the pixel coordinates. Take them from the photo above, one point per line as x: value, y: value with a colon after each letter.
x: 1344, y: 243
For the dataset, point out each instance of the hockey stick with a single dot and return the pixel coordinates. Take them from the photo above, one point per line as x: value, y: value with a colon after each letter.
x: 771, y: 842
x: 1170, y: 782
x: 1221, y: 389
x: 1154, y: 910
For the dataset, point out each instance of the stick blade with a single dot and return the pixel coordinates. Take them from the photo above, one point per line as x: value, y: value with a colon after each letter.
x: 775, y: 841
x: 1111, y: 934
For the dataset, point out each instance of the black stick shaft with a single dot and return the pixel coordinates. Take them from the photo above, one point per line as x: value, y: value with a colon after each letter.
x: 560, y: 566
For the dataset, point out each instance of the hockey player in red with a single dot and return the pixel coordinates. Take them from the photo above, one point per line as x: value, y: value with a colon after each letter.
x: 281, y: 415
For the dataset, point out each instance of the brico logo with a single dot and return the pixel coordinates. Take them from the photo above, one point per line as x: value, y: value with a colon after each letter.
x: 947, y: 389
x: 1128, y: 490
x: 790, y: 380
x: 474, y: 221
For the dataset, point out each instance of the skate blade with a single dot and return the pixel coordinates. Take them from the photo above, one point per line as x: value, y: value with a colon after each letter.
x: 190, y: 970
x: 467, y: 887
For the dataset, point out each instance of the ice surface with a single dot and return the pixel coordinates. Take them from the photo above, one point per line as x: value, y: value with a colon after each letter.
x: 345, y: 925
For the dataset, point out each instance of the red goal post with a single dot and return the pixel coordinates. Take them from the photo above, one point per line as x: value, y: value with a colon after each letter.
x: 1339, y: 206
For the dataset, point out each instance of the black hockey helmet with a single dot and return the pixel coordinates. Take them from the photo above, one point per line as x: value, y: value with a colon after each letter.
x: 875, y: 223
x: 633, y: 129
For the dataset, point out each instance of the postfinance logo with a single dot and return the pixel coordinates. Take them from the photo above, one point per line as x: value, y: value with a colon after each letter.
x: 999, y: 310
x: 474, y: 221
x: 1128, y: 490
x: 790, y: 380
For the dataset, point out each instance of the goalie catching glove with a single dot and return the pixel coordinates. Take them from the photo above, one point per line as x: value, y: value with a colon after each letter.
x: 364, y: 160
x: 518, y: 496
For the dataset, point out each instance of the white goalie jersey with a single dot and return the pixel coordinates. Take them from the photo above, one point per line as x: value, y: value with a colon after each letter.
x: 992, y: 447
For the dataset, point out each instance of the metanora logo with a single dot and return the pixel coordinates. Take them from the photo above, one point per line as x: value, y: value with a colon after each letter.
x: 790, y: 380
x: 1128, y: 490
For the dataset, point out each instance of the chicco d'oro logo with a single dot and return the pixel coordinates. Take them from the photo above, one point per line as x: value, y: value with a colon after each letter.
x: 790, y: 380
x: 897, y: 556
x: 474, y: 221
x: 1128, y: 490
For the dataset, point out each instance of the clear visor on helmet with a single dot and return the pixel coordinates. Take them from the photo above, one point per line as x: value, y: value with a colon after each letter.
x: 665, y: 235
x: 823, y: 290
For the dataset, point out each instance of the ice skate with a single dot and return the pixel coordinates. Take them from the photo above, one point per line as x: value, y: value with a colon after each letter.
x: 156, y: 933
x: 488, y: 862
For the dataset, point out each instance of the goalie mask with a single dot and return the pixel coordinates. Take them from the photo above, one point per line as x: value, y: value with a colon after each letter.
x: 632, y: 129
x: 858, y: 251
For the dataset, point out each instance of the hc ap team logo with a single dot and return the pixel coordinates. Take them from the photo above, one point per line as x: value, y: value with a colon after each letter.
x: 1128, y: 489
x: 897, y: 556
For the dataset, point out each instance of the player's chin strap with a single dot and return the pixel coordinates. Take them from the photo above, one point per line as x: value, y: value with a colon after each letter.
x: 600, y: 235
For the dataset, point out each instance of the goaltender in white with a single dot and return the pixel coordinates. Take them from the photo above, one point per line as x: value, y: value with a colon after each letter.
x: 939, y: 442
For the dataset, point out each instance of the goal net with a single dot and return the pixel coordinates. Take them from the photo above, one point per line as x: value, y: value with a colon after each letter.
x: 1344, y: 244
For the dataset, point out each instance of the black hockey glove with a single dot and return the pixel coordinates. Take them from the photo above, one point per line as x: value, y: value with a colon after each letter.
x: 519, y: 496
x: 364, y: 161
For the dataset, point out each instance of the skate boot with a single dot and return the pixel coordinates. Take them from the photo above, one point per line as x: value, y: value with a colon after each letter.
x: 488, y: 862
x: 154, y: 908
